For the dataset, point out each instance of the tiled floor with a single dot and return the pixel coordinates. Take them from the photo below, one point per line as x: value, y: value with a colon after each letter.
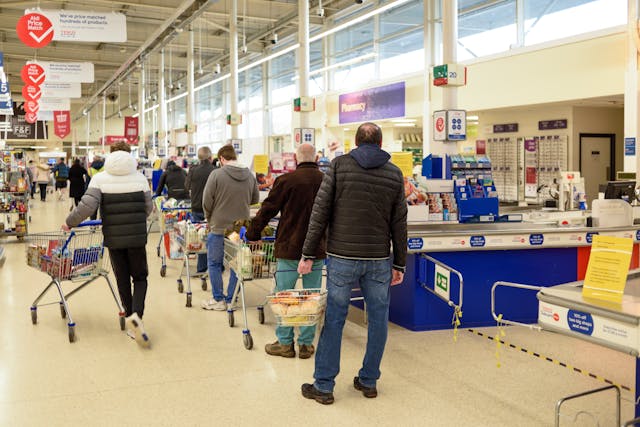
x: 198, y: 372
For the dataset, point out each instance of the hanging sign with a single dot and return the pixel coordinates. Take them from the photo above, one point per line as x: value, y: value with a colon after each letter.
x: 456, y: 125
x: 531, y: 170
x: 55, y: 104
x: 5, y: 92
x: 84, y: 26
x: 32, y: 74
x: 68, y: 72
x: 35, y: 30
x: 61, y: 90
x: 46, y: 116
x: 21, y: 126
x: 61, y: 123
x: 31, y: 106
x: 31, y: 93
x: 30, y: 117
x: 111, y: 139
x: 131, y: 129
x: 6, y: 108
x: 384, y: 102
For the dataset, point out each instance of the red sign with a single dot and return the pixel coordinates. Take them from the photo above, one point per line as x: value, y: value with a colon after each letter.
x: 30, y: 117
x: 481, y: 146
x: 112, y: 139
x: 35, y: 30
x: 31, y: 93
x: 62, y: 123
x: 31, y: 106
x: 440, y: 124
x: 131, y: 129
x: 32, y: 74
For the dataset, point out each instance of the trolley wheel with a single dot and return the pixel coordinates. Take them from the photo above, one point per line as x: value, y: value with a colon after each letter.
x: 204, y: 284
x: 34, y: 316
x: 188, y: 300
x: 72, y: 334
x: 180, y: 286
x: 122, y: 321
x: 63, y: 312
x: 163, y: 271
x: 232, y: 320
x: 248, y: 341
x: 261, y: 315
x: 20, y: 238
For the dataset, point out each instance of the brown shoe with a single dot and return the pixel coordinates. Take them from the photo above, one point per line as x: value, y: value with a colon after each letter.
x: 305, y: 351
x: 277, y: 349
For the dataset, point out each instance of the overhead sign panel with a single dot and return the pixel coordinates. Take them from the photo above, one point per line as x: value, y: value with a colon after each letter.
x: 55, y: 104
x: 34, y: 29
x: 68, y: 72
x: 61, y: 90
x: 83, y: 26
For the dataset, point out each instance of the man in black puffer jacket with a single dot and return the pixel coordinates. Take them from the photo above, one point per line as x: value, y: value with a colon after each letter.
x: 124, y: 198
x: 361, y: 201
x: 173, y: 177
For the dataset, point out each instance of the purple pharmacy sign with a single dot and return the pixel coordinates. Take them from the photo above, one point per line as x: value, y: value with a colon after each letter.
x: 384, y: 102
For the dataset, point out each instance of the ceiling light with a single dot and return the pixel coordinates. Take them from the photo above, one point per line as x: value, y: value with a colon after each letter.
x: 346, y: 129
x: 473, y: 117
x: 404, y: 125
x: 403, y: 121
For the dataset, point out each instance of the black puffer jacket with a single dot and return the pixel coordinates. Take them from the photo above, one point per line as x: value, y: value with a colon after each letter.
x: 173, y: 177
x: 361, y: 201
x: 195, y: 182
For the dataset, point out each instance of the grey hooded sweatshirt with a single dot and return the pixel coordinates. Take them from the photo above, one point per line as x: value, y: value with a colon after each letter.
x: 227, y: 196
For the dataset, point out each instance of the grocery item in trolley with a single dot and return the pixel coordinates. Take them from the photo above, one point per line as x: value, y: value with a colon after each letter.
x: 192, y: 236
x: 298, y: 307
x: 250, y: 260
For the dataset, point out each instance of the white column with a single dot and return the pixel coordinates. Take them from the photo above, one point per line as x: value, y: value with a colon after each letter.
x: 303, y: 56
x: 141, y: 116
x: 162, y: 108
x: 233, y: 61
x: 88, y: 116
x: 191, y: 105
x: 428, y: 24
x: 631, y: 101
x: 104, y: 119
x: 449, y: 48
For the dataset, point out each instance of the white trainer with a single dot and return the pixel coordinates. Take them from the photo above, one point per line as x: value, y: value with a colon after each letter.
x: 134, y: 323
x: 131, y: 334
x: 214, y: 305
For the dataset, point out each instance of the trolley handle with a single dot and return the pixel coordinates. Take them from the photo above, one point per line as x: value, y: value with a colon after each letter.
x: 90, y: 223
x: 243, y: 236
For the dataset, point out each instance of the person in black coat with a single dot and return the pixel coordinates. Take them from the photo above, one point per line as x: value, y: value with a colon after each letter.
x: 77, y: 179
x: 174, y: 178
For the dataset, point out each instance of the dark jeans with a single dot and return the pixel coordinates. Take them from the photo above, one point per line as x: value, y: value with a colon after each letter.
x: 33, y: 189
x: 202, y: 258
x: 128, y: 264
x: 76, y: 200
x: 43, y: 192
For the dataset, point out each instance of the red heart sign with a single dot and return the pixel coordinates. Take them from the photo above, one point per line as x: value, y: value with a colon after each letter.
x: 35, y: 30
x: 32, y: 74
x: 31, y: 107
x: 31, y: 93
x: 31, y: 117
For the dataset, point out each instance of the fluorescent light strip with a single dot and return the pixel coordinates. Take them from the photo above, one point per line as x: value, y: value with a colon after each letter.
x: 340, y: 64
x: 151, y: 108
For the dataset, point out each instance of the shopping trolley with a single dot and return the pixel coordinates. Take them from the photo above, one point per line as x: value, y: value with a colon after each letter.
x: 192, y: 239
x: 77, y: 256
x: 249, y: 261
x: 167, y: 217
x: 298, y: 307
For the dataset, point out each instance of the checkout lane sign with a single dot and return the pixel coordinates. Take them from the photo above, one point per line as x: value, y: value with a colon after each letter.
x: 415, y: 243
x: 477, y: 241
x: 441, y: 282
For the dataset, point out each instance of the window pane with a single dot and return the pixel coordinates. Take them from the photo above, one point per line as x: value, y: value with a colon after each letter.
x: 401, y: 18
x: 487, y: 31
x: 281, y: 70
x: 354, y: 76
x: 402, y: 55
x: 281, y: 120
x: 357, y: 35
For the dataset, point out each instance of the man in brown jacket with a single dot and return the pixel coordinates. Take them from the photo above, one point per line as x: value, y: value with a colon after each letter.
x: 292, y: 195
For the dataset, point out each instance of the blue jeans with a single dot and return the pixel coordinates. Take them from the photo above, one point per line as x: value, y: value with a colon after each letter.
x: 215, y: 256
x: 286, y: 278
x: 202, y: 258
x: 374, y: 279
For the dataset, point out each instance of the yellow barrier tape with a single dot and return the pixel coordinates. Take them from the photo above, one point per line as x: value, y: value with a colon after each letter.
x: 457, y: 315
x: 498, y: 339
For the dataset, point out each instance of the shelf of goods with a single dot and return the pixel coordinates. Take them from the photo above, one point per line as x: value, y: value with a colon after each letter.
x: 14, y: 195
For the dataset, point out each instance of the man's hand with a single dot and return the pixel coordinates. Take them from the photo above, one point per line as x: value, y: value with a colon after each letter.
x: 396, y: 277
x: 304, y: 266
x: 65, y: 227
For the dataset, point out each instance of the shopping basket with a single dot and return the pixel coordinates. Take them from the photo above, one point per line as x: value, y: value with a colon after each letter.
x: 192, y: 239
x: 298, y: 307
x: 76, y: 256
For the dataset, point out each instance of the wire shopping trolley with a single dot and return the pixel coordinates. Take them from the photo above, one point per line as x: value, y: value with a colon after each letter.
x: 249, y: 261
x: 298, y: 307
x: 192, y: 239
x: 167, y: 217
x: 76, y: 256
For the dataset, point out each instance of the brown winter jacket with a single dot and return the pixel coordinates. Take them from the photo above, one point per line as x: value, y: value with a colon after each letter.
x: 292, y: 195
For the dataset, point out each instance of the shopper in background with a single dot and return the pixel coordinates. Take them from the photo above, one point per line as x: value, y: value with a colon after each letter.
x: 293, y: 195
x: 61, y: 174
x: 174, y: 178
x: 361, y: 202
x: 228, y: 193
x: 95, y: 168
x: 123, y: 196
x: 33, y: 174
x: 194, y: 184
x: 42, y: 178
x: 77, y: 181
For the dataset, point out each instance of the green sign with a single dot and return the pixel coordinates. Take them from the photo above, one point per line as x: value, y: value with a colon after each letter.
x: 440, y: 71
x: 442, y: 281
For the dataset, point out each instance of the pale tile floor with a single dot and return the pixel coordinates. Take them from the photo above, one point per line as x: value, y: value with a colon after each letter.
x: 198, y: 372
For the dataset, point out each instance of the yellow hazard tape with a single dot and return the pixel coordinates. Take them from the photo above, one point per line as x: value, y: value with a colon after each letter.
x: 457, y: 315
x: 500, y: 343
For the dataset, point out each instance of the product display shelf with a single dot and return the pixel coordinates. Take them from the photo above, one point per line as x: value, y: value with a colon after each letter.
x: 14, y: 196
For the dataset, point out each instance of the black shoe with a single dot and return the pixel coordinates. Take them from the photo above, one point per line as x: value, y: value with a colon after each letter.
x: 310, y: 392
x: 369, y: 392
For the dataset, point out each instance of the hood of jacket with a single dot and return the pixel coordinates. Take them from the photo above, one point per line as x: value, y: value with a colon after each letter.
x: 120, y: 163
x: 43, y: 167
x: 370, y: 156
x: 237, y: 171
x: 97, y: 164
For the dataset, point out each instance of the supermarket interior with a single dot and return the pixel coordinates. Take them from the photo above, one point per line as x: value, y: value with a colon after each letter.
x: 513, y: 127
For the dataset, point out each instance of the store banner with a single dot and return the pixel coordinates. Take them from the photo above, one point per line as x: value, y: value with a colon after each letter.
x: 84, y: 26
x: 34, y: 29
x: 111, y: 139
x: 61, y: 123
x: 5, y: 92
x: 6, y: 108
x: 61, y: 90
x: 19, y: 127
x: 31, y: 93
x: 55, y: 104
x: 384, y: 102
x: 32, y: 74
x: 131, y: 129
x: 531, y: 167
x: 68, y: 72
x: 30, y: 117
x: 31, y: 107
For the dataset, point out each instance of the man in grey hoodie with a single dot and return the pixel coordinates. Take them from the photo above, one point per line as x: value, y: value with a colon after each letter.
x: 228, y: 193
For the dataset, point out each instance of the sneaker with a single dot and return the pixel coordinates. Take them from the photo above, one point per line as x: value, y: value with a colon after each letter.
x: 305, y: 351
x: 369, y: 392
x: 131, y: 334
x: 214, y: 305
x: 134, y: 323
x: 310, y: 392
x: 277, y: 349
